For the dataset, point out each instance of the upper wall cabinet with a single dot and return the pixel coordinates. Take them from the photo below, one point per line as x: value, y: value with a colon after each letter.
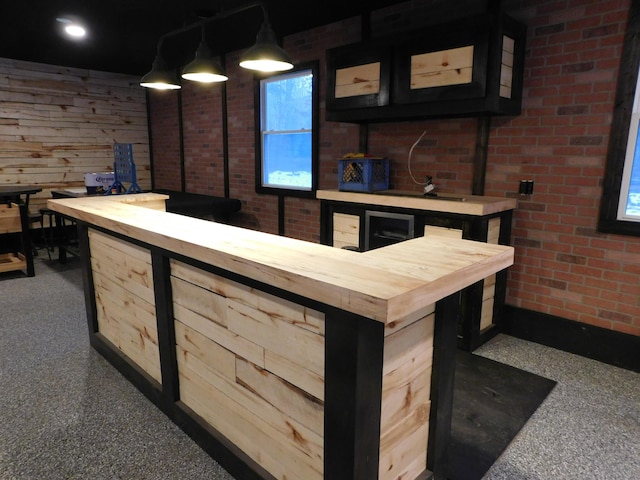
x: 473, y: 66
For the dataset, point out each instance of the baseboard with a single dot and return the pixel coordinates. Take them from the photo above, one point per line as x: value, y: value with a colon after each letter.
x: 607, y: 346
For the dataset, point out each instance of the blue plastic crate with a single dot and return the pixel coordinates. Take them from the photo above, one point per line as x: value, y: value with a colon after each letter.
x: 363, y: 174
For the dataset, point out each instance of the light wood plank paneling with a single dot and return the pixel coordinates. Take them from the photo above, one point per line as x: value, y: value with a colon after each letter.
x: 346, y: 230
x: 59, y: 123
x: 443, y: 231
x: 446, y: 67
x: 125, y: 302
x: 129, y: 323
x: 200, y: 301
x: 358, y: 80
x: 252, y: 365
x: 248, y: 431
x: 283, y: 338
x: 493, y: 235
x: 295, y: 374
x: 506, y: 67
x: 124, y: 263
x: 406, y: 390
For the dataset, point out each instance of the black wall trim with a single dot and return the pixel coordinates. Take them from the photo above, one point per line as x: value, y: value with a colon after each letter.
x: 607, y: 346
x: 150, y: 134
x: 183, y: 173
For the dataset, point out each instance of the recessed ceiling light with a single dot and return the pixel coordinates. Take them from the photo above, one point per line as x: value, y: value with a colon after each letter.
x: 75, y: 30
x: 72, y: 28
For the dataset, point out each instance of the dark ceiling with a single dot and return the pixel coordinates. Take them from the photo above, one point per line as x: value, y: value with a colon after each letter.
x: 124, y: 33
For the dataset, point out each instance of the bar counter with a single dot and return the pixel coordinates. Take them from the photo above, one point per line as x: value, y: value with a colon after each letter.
x: 283, y: 359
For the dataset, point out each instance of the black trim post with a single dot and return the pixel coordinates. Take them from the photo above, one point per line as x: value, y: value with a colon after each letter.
x: 281, y: 215
x: 225, y: 130
x: 442, y: 379
x: 166, y: 327
x: 480, y: 157
x: 87, y: 278
x: 353, y: 396
x: 183, y: 171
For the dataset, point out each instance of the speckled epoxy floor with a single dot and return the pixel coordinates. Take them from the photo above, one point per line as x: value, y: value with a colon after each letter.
x: 65, y: 413
x: 587, y: 428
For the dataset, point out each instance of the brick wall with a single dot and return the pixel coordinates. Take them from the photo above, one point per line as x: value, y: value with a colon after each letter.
x: 202, y: 137
x: 563, y: 266
x: 165, y: 140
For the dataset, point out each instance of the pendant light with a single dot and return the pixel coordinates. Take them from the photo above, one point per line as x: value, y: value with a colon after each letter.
x: 160, y: 77
x: 203, y: 68
x: 266, y: 55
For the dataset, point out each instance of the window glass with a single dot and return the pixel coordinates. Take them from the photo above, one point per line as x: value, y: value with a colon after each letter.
x: 286, y: 132
x: 629, y: 201
x: 632, y: 209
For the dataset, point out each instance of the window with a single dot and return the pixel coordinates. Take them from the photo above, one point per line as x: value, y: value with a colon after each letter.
x: 620, y: 207
x: 286, y: 157
x: 629, y: 201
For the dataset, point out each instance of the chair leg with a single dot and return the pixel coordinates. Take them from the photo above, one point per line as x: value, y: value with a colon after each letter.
x: 44, y: 237
x: 48, y: 240
x: 34, y: 218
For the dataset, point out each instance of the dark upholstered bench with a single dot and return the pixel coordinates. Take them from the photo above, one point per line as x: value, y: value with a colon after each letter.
x: 200, y: 206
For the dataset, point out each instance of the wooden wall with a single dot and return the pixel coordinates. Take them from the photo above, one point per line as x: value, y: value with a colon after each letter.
x: 58, y: 123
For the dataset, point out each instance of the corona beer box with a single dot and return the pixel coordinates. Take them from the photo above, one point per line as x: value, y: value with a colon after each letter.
x: 98, y: 182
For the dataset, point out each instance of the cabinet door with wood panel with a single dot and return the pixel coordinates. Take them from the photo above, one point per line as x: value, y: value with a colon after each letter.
x: 467, y: 67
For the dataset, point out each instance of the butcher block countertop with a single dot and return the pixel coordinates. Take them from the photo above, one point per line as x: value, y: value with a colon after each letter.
x: 446, y: 203
x: 386, y: 284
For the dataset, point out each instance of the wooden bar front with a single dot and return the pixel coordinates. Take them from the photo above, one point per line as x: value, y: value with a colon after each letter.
x: 283, y: 359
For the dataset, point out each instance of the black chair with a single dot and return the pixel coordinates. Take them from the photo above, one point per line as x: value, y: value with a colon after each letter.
x: 47, y: 239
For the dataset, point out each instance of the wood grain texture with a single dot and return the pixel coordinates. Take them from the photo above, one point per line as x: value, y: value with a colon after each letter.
x: 59, y: 123
x: 358, y: 80
x: 406, y: 388
x: 10, y: 262
x: 473, y: 204
x: 257, y: 360
x: 385, y: 284
x: 10, y: 218
x: 346, y: 230
x: 453, y: 66
x: 125, y: 264
x: 506, y: 67
x: 124, y: 299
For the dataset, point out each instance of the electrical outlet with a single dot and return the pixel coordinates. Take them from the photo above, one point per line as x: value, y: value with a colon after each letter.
x: 526, y: 187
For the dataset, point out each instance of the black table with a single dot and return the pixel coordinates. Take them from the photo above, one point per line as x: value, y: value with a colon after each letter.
x: 19, y: 194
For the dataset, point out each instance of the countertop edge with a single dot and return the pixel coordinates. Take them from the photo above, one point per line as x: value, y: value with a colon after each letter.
x: 334, y: 276
x: 473, y: 205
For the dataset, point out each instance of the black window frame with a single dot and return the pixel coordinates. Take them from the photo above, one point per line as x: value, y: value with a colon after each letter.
x: 623, y: 107
x: 315, y: 123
